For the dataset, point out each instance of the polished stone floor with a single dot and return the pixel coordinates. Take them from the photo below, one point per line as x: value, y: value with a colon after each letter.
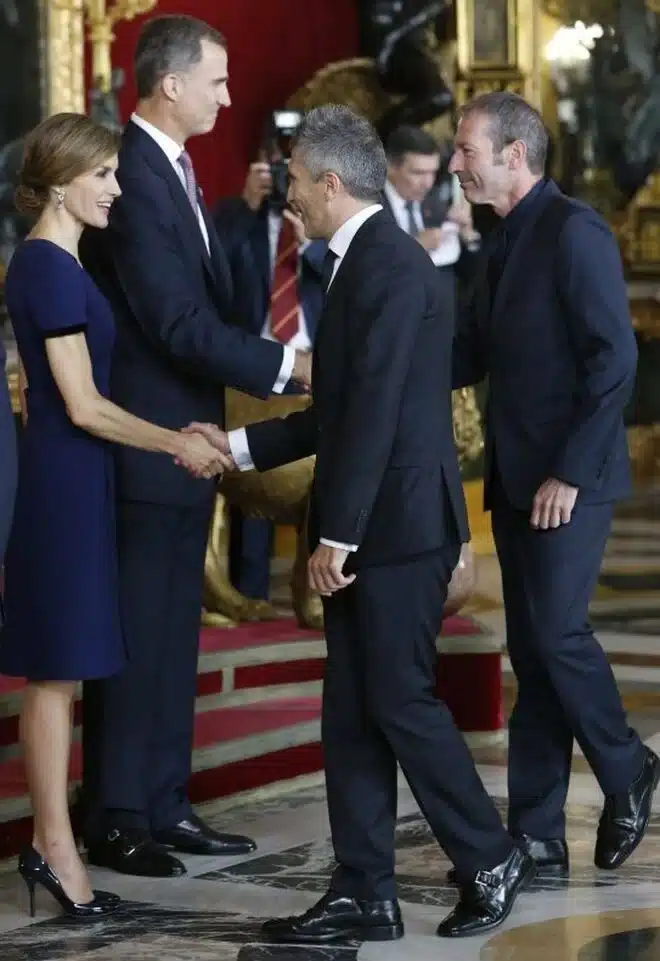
x: 214, y: 913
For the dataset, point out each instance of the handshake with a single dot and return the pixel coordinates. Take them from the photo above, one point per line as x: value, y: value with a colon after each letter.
x: 203, y: 449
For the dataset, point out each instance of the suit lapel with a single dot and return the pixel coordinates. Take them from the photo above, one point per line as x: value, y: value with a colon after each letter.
x: 262, y: 254
x: 217, y: 267
x: 215, y: 259
x: 516, y: 253
x: 333, y: 297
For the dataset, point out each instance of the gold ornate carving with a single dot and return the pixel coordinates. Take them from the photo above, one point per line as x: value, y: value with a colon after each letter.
x: 646, y: 317
x: 281, y: 495
x: 644, y: 447
x: 65, y: 48
x: 352, y: 82
x: 639, y: 234
x: 497, y: 48
x: 468, y: 431
x: 102, y: 17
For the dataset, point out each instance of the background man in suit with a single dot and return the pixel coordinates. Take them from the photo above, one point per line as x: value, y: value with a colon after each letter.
x: 550, y: 327
x: 276, y: 273
x: 428, y: 206
x: 162, y: 267
x: 387, y: 518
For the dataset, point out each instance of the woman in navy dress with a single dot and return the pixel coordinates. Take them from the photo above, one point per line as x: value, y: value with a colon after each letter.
x: 61, y: 596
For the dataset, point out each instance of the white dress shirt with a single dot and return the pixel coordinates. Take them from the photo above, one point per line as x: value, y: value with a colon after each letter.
x: 301, y: 340
x: 339, y: 244
x: 448, y: 250
x: 173, y: 151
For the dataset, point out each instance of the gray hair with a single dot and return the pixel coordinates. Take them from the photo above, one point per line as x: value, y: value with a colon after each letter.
x: 511, y: 118
x: 170, y: 44
x: 333, y: 138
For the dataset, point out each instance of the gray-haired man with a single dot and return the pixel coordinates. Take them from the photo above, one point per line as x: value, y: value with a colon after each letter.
x: 387, y: 519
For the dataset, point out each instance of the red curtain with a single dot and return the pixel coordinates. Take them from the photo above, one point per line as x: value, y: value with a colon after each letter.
x: 275, y: 46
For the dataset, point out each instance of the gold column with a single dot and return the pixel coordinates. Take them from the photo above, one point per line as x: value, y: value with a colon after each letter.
x: 64, y: 55
x: 102, y: 16
x: 65, y: 22
x: 498, y: 44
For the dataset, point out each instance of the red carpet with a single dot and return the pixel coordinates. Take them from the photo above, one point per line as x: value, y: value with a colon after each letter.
x: 248, y: 734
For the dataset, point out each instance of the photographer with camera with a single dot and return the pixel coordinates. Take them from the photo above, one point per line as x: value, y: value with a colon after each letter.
x: 278, y: 295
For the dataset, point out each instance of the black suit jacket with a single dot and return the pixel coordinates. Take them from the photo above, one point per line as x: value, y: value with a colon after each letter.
x: 387, y: 476
x: 558, y: 348
x: 172, y: 301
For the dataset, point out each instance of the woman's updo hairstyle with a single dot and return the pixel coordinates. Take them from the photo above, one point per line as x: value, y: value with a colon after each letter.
x: 63, y: 147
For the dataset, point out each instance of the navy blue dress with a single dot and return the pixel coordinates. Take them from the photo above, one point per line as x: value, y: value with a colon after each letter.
x: 61, y: 597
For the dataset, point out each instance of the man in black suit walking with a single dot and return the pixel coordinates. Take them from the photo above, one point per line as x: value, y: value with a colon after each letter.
x: 387, y: 518
x: 162, y: 268
x: 550, y: 327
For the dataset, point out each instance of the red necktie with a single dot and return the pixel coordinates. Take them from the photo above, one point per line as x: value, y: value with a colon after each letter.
x: 284, y: 303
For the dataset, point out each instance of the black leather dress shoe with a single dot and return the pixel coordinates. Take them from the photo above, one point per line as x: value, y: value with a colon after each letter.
x: 194, y: 837
x: 336, y: 918
x: 487, y: 900
x: 131, y: 852
x: 551, y: 857
x: 625, y: 817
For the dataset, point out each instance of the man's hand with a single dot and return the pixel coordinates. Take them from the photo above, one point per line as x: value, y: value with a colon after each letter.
x: 325, y: 570
x: 200, y: 457
x: 258, y: 185
x: 430, y: 238
x: 302, y: 370
x: 553, y: 504
x: 217, y: 439
x: 298, y: 226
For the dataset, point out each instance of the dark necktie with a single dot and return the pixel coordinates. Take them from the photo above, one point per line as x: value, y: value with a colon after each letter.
x: 328, y: 267
x: 189, y: 174
x: 412, y: 223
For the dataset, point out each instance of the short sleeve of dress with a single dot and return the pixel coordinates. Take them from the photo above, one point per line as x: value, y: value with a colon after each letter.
x: 54, y: 290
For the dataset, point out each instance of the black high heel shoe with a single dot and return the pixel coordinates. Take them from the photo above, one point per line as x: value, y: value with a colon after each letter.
x: 34, y: 870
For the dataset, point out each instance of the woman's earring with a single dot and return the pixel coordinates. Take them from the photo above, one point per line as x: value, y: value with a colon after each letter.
x: 59, y: 198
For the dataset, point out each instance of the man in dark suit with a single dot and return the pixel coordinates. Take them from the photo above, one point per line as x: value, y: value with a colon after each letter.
x: 276, y: 274
x: 163, y: 270
x: 550, y: 328
x: 387, y: 518
x: 429, y: 206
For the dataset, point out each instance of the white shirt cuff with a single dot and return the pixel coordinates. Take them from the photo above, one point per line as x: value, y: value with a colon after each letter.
x: 342, y: 547
x: 286, y: 370
x: 240, y: 451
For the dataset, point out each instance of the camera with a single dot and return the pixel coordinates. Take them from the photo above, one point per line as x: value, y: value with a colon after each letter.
x: 281, y: 130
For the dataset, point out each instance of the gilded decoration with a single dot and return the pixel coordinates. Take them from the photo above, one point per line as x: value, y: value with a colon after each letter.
x: 65, y: 53
x: 497, y: 48
x: 639, y: 232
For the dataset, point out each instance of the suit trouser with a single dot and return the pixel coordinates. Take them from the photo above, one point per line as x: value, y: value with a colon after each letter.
x: 380, y: 707
x: 566, y: 688
x: 250, y: 546
x: 138, y: 726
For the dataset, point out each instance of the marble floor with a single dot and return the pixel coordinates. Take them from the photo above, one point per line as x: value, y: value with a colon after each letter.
x: 214, y: 913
